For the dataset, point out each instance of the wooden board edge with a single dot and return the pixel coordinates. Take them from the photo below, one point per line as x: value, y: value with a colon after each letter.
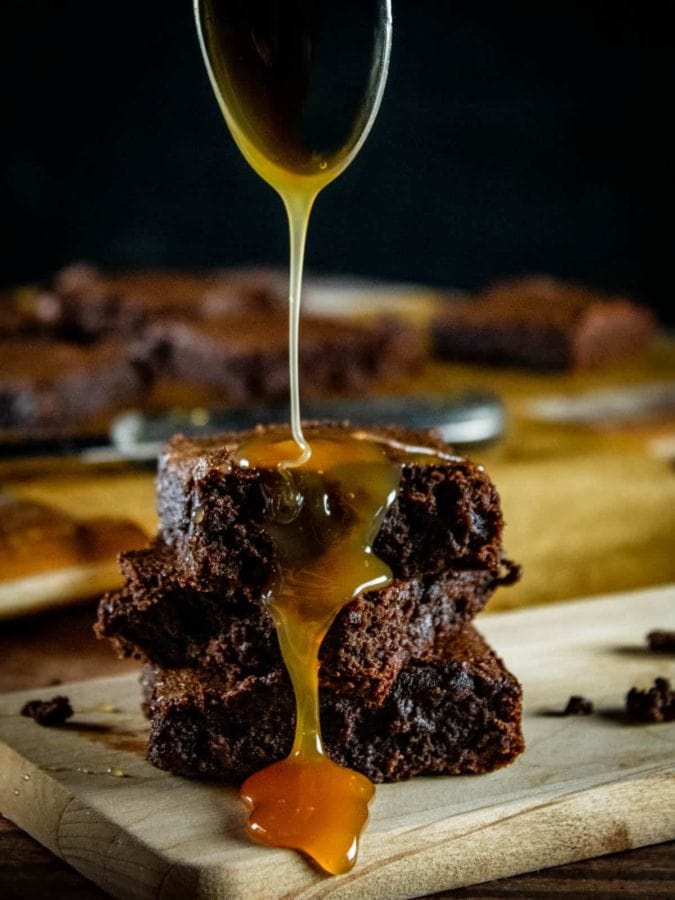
x: 571, y: 817
x: 34, y: 789
x: 107, y: 855
x: 483, y: 854
x: 127, y: 867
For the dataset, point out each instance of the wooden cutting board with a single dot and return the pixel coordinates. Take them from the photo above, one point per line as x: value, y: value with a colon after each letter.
x: 585, y: 785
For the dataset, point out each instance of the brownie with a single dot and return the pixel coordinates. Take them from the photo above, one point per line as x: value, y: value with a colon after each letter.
x: 578, y: 706
x: 542, y: 324
x: 252, y: 289
x: 157, y: 620
x: 48, y: 713
x: 245, y: 356
x: 455, y: 712
x: 212, y: 512
x: 661, y: 641
x: 657, y: 704
x: 50, y: 383
x: 84, y: 303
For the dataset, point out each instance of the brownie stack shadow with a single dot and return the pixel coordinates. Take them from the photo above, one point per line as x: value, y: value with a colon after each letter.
x: 408, y: 686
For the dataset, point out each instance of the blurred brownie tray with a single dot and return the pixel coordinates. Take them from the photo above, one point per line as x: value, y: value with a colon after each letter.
x: 455, y: 712
x: 92, y: 343
x: 224, y: 329
x: 542, y: 324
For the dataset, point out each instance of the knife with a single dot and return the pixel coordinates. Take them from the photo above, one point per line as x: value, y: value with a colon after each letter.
x: 463, y: 419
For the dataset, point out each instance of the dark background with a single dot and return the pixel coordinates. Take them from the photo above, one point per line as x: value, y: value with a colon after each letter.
x: 513, y: 136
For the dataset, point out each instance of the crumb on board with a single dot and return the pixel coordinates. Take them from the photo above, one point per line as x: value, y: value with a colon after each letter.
x: 48, y: 712
x: 578, y: 706
x: 657, y: 704
x: 661, y: 641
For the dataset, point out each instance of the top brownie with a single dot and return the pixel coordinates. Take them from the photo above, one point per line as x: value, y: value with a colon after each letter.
x: 542, y: 324
x: 213, y: 513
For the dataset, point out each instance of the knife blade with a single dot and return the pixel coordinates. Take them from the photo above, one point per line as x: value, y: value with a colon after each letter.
x: 464, y: 419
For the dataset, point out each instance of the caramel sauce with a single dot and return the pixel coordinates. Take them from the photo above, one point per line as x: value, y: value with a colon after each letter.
x: 324, y: 517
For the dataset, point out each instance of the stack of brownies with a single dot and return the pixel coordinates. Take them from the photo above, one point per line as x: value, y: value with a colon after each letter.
x: 408, y: 686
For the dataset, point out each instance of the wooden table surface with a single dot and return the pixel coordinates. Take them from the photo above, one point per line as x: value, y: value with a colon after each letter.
x: 614, y: 532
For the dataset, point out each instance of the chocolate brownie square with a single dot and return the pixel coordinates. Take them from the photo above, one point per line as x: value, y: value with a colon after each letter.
x: 458, y: 711
x: 157, y: 620
x: 212, y: 512
x: 245, y: 355
x: 542, y: 324
x: 85, y: 303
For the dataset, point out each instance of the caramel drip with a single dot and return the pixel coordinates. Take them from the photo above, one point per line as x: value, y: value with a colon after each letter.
x: 338, y: 501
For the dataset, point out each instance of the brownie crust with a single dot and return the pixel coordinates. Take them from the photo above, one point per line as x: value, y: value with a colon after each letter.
x: 456, y: 712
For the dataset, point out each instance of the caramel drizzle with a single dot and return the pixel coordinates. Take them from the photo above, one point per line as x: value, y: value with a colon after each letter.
x: 307, y: 801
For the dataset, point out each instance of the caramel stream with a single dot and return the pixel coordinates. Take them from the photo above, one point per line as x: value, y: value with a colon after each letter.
x: 261, y: 59
x: 308, y: 802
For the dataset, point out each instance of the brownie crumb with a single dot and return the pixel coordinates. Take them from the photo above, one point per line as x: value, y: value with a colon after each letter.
x: 654, y: 705
x: 48, y: 712
x: 661, y: 641
x: 578, y: 706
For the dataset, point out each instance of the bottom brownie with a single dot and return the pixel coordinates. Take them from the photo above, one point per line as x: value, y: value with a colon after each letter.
x: 455, y: 712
